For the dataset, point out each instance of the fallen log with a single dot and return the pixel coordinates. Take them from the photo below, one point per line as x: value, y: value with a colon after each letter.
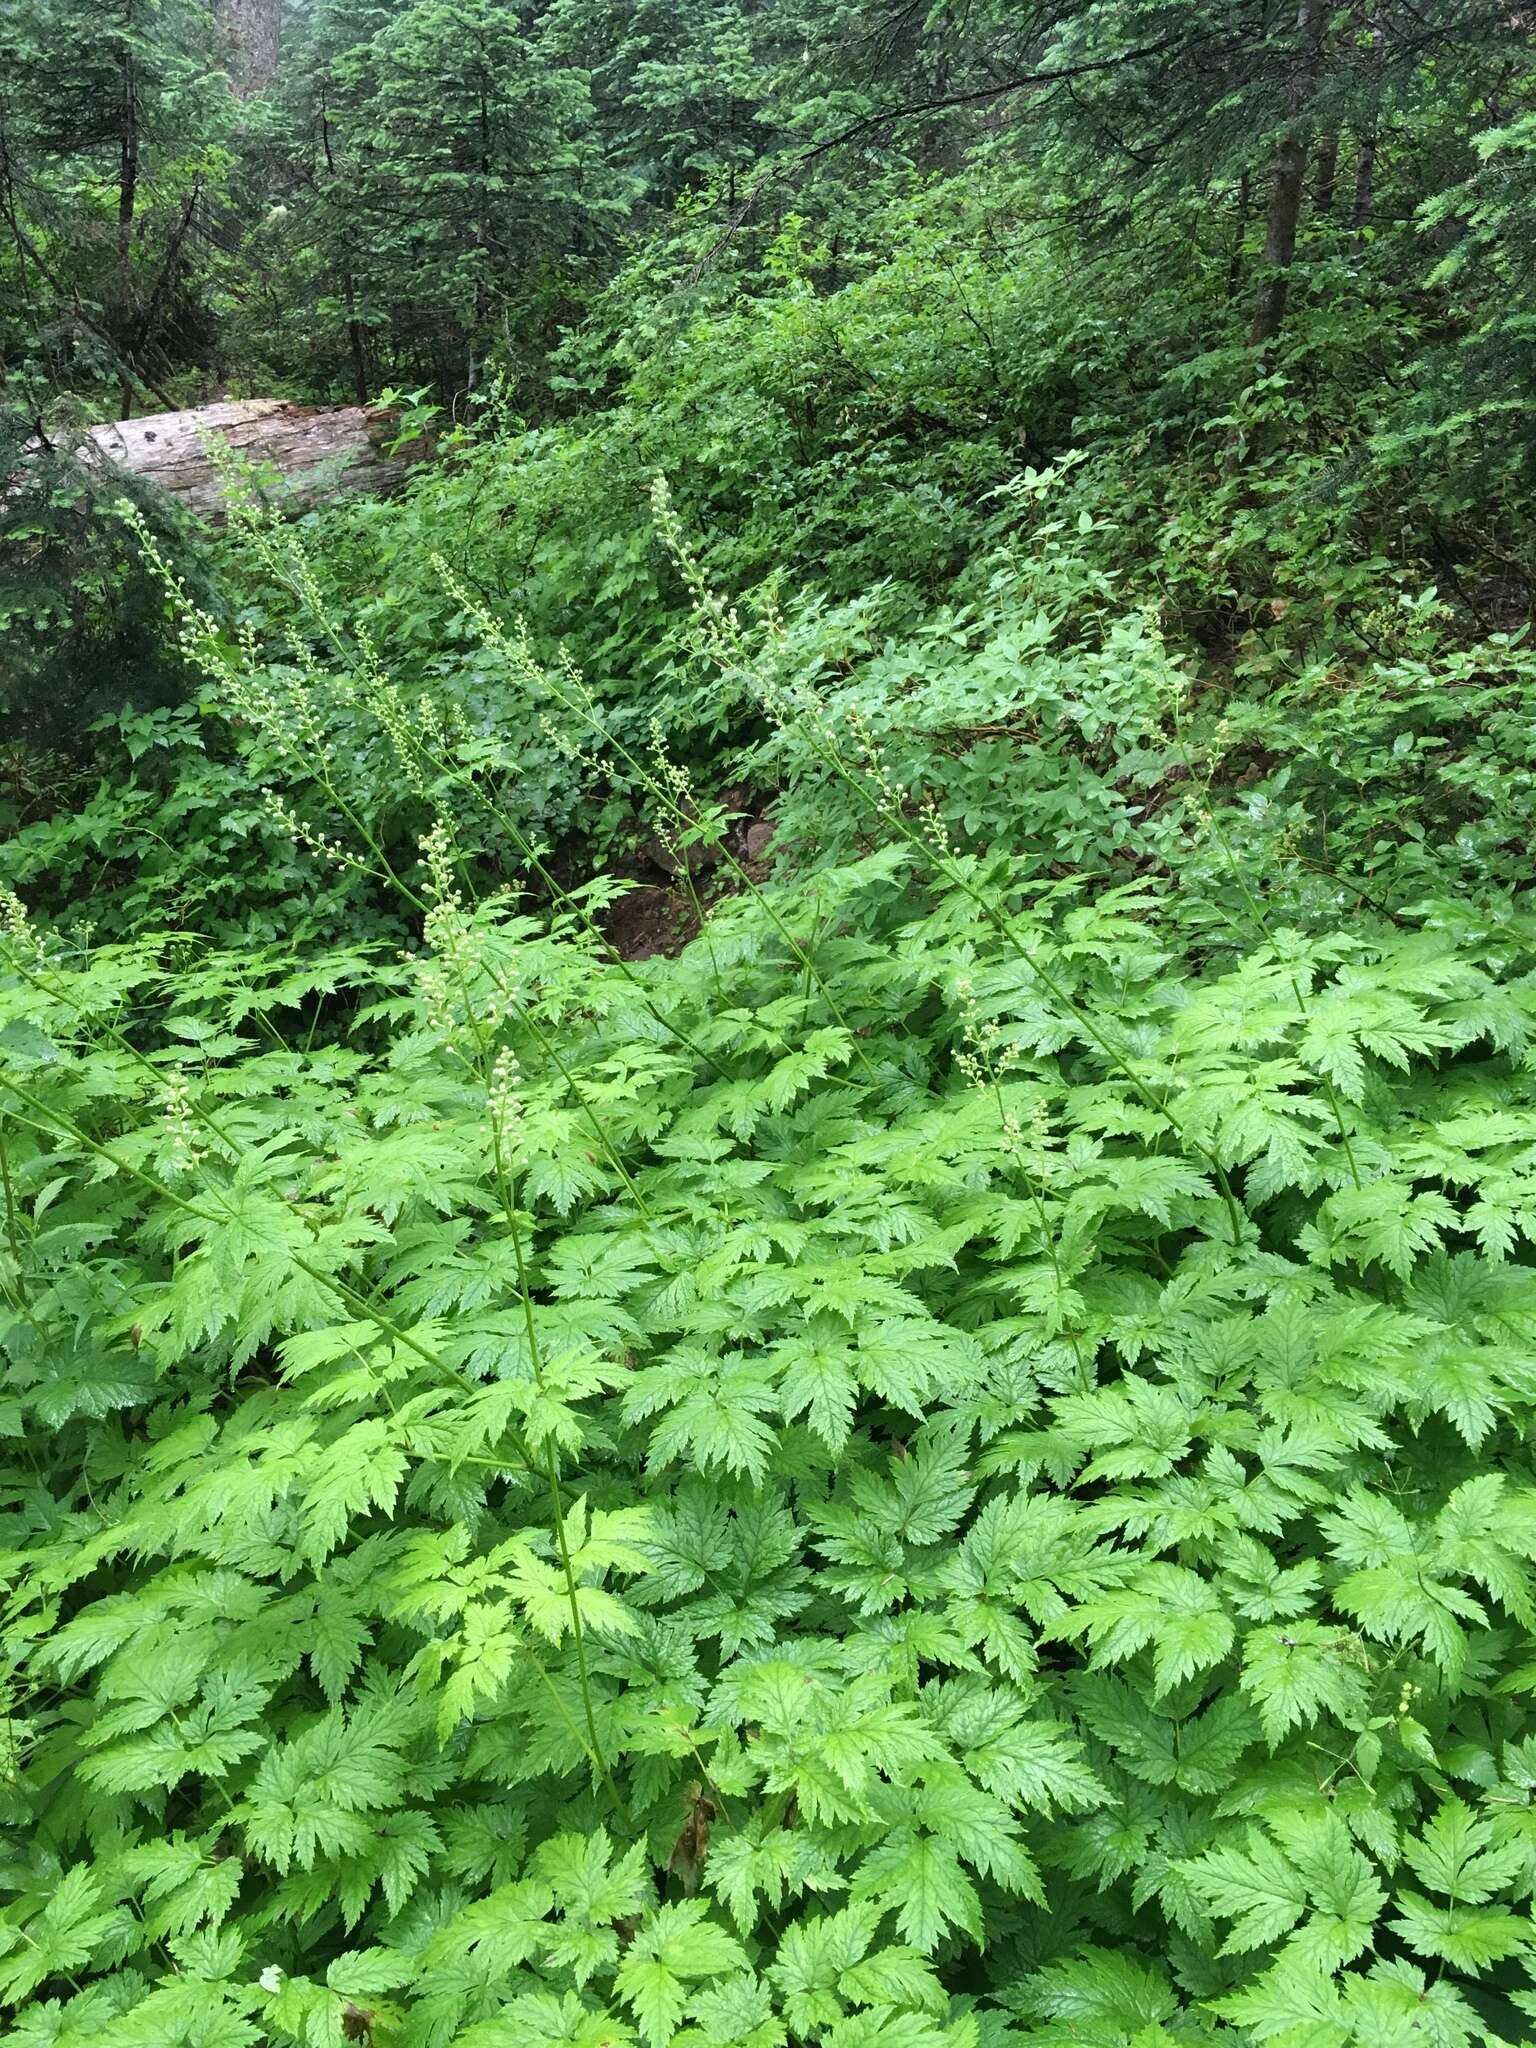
x: 304, y: 454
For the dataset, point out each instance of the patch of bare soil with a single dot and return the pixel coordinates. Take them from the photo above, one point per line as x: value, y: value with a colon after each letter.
x: 659, y: 915
x: 650, y: 920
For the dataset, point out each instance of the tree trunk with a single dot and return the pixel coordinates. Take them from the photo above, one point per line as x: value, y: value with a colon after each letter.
x: 250, y: 31
x: 127, y: 204
x: 1239, y: 236
x: 357, y: 342
x: 1288, y: 177
x: 319, y: 451
x: 1325, y: 175
x: 357, y: 338
x: 1279, y: 239
x: 1365, y: 162
x: 1365, y: 185
x: 160, y: 291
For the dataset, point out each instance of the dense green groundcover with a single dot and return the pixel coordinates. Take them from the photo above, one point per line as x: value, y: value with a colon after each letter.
x: 948, y: 1465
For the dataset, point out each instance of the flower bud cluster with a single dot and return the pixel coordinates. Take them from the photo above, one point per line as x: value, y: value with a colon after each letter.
x: 18, y: 928
x: 401, y: 724
x: 671, y: 775
x: 785, y: 705
x: 187, y: 1149
x: 674, y: 788
x: 572, y: 750
x: 324, y: 845
x: 575, y: 682
x: 514, y: 647
x: 985, y: 1059
x: 719, y: 622
x: 504, y: 1104
x: 457, y: 990
x: 893, y: 799
x: 433, y: 725
x: 282, y: 704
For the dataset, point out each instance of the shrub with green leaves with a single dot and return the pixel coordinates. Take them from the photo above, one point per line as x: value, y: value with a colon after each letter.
x: 81, y: 614
x: 947, y: 1466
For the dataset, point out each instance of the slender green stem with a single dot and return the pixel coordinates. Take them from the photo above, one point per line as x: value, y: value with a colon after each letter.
x: 593, y: 1756
x: 1256, y: 912
x: 506, y: 1193
x: 547, y: 1046
x: 1003, y: 923
x: 557, y: 1504
x: 11, y: 1229
x: 656, y: 789
x: 510, y: 994
x: 1047, y: 1235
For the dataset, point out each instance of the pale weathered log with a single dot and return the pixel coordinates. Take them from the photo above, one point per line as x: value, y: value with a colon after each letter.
x: 304, y: 454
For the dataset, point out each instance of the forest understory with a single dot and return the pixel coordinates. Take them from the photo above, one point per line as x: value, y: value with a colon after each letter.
x: 768, y: 1162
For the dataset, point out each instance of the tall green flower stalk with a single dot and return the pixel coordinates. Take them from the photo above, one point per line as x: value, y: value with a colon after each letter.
x: 985, y: 1061
x: 857, y: 760
x: 1208, y: 817
x: 664, y: 783
x: 419, y: 738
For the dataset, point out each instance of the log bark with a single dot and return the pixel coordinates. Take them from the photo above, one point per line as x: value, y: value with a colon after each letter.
x: 317, y: 451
